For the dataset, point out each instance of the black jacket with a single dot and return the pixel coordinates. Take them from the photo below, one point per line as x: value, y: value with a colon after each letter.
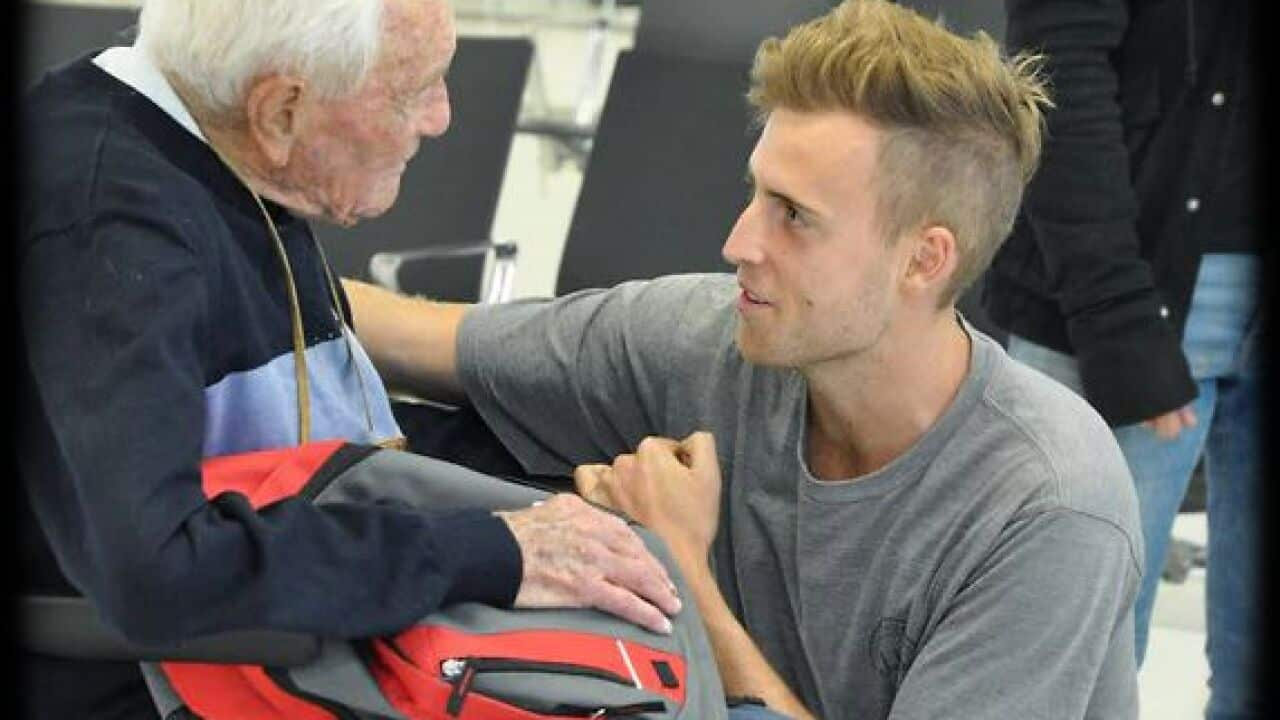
x: 1148, y: 164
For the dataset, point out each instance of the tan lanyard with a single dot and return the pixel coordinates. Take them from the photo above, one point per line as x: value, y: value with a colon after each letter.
x: 300, y: 374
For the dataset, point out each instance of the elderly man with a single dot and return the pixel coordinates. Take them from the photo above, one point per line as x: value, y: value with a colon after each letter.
x: 175, y: 306
x: 911, y: 524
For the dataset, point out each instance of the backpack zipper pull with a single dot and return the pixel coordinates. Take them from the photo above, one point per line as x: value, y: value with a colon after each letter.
x: 452, y: 668
x: 465, y: 672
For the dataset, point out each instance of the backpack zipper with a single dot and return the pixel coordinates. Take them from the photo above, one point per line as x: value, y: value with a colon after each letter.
x: 461, y: 672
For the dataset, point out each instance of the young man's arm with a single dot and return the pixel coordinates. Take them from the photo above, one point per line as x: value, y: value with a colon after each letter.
x: 744, y: 671
x: 412, y: 341
x: 673, y: 488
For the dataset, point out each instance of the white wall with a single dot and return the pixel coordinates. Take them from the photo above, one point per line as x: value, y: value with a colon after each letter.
x: 572, y: 65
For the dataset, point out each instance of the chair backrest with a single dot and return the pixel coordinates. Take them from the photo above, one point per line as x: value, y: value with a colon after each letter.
x: 721, y: 30
x: 964, y: 16
x: 54, y: 34
x: 732, y: 29
x: 449, y: 193
x: 664, y: 181
x: 67, y: 626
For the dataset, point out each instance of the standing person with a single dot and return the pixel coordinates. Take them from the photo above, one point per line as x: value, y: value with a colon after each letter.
x: 1132, y: 276
x: 171, y: 291
x: 911, y: 525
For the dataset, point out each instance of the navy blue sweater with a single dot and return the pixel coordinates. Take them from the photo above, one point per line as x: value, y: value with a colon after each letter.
x: 156, y: 329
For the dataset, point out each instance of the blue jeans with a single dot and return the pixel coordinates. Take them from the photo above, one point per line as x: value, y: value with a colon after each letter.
x: 1222, y: 342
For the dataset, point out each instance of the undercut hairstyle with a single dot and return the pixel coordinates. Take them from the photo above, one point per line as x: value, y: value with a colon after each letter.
x: 961, y: 122
x: 216, y: 48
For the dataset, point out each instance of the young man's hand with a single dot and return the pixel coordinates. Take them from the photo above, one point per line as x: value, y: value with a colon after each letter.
x: 1169, y: 425
x: 671, y: 487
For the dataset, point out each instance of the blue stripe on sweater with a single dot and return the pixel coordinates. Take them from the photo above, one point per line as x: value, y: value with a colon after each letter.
x: 257, y: 409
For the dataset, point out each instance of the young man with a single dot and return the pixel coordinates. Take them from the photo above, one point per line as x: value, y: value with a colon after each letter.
x: 171, y: 290
x: 881, y: 514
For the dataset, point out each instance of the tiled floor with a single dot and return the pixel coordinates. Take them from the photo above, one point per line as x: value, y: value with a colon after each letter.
x: 1173, y: 679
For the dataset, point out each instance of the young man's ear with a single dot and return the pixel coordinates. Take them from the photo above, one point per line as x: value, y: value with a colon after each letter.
x: 933, y: 259
x: 274, y: 107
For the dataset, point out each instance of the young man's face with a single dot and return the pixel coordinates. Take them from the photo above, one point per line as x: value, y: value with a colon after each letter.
x: 818, y: 281
x: 351, y: 160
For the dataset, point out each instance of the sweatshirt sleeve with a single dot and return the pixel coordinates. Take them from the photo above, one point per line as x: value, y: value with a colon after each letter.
x: 585, y: 377
x: 1082, y: 211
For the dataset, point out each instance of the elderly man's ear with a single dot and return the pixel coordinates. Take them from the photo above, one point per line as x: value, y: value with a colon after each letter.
x: 275, y: 108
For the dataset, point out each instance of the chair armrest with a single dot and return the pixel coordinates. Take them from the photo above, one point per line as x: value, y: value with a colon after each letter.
x: 69, y: 627
x: 385, y: 267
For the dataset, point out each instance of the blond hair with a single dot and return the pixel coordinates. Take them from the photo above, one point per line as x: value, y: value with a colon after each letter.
x: 962, y: 123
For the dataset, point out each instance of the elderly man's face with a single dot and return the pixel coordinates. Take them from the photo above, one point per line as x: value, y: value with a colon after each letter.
x: 350, y: 158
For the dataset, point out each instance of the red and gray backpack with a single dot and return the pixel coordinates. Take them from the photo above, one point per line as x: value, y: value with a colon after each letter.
x: 467, y: 661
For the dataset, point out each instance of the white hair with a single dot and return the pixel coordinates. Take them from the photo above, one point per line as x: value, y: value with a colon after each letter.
x: 215, y: 48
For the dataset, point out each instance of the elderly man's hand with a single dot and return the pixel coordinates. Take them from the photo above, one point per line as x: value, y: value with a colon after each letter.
x: 672, y: 487
x: 579, y: 556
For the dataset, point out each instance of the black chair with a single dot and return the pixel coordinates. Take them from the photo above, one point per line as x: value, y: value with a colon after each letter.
x: 732, y: 29
x: 69, y: 627
x: 435, y: 240
x: 718, y: 30
x: 964, y: 16
x: 664, y: 183
x: 54, y: 34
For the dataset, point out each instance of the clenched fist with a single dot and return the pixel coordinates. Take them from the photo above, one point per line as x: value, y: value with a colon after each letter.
x: 671, y: 487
